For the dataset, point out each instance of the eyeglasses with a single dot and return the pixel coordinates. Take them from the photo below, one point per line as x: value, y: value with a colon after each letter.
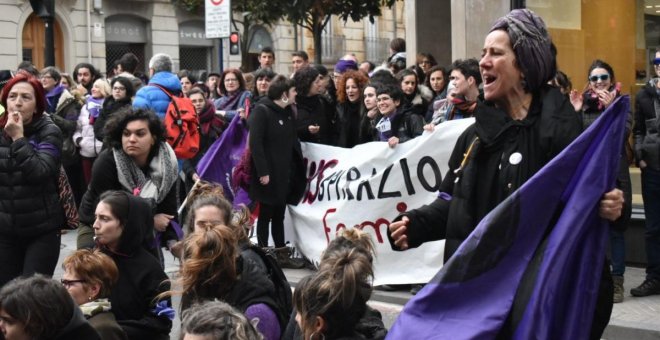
x: 602, y: 77
x: 69, y: 283
x: 119, y: 88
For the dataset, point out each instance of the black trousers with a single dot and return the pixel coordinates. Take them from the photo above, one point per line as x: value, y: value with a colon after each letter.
x: 26, y: 256
x: 267, y: 214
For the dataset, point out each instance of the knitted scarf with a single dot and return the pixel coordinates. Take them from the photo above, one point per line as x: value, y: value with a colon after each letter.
x: 162, y: 173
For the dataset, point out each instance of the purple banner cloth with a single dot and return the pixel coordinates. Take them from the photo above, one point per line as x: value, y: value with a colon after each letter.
x: 550, y: 227
x: 221, y: 158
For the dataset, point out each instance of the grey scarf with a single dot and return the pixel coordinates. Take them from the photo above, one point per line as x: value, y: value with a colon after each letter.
x: 162, y: 173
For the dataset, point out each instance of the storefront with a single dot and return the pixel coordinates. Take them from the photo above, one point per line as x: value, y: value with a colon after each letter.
x: 195, y: 51
x: 125, y: 34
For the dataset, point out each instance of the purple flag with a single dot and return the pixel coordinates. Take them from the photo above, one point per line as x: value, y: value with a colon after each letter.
x: 221, y: 158
x: 546, y: 238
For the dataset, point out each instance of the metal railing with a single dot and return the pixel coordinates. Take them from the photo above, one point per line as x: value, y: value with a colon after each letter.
x: 376, y: 49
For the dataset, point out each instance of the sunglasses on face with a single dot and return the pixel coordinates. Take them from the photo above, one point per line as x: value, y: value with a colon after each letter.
x: 656, y: 61
x: 602, y: 77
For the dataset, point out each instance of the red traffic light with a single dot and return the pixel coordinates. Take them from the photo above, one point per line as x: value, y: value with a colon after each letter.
x: 233, y: 38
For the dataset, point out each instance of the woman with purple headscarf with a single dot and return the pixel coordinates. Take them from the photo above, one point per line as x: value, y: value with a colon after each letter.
x: 522, y: 125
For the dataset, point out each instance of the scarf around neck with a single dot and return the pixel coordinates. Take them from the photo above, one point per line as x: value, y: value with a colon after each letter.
x: 97, y: 306
x: 232, y: 101
x: 162, y: 173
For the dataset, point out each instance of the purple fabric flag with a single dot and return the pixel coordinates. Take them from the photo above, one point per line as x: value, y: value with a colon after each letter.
x: 221, y: 158
x: 546, y: 238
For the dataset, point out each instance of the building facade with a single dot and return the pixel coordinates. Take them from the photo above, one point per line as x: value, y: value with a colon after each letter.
x: 100, y: 31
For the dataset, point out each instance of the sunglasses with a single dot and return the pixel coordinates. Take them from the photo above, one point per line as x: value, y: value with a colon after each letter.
x: 602, y: 77
x: 656, y: 61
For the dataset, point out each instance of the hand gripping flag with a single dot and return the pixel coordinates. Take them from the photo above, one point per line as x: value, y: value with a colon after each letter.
x: 532, y: 267
x: 221, y: 158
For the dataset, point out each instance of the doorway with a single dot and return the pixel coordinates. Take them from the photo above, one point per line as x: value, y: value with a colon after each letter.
x: 34, y: 43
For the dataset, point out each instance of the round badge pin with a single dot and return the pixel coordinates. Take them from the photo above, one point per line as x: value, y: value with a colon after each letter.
x: 515, y: 158
x: 281, y: 122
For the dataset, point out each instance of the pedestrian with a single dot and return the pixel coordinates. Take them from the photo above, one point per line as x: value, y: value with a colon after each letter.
x: 31, y: 214
x: 151, y: 96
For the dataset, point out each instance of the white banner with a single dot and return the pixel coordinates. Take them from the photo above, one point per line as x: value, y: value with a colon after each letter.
x: 367, y: 187
x: 218, y: 18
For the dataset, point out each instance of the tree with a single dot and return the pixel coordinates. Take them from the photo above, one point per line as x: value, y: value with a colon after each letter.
x: 254, y: 12
x: 315, y: 14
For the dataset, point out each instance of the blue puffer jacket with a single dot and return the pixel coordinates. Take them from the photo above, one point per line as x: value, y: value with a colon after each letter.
x: 151, y: 97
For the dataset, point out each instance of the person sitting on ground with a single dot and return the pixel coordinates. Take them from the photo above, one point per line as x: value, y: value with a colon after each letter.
x: 40, y: 308
x: 89, y: 276
x: 216, y: 320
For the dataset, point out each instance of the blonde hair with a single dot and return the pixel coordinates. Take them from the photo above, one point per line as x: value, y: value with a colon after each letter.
x: 103, y: 86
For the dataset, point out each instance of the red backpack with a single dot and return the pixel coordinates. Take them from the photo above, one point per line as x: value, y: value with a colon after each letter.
x: 182, y: 125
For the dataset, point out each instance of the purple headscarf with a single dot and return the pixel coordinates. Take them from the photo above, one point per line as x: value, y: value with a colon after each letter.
x: 345, y: 65
x: 532, y: 45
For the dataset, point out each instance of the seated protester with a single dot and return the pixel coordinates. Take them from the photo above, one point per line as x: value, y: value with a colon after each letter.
x: 40, y: 308
x: 350, y: 86
x: 235, y: 95
x: 138, y: 161
x: 464, y: 81
x: 262, y: 79
x: 313, y: 119
x: 370, y: 324
x: 416, y: 97
x: 210, y: 126
x: 122, y: 222
x: 89, y: 276
x: 436, y: 80
x: 331, y: 302
x: 370, y: 116
x: 89, y: 146
x: 216, y: 320
x: 122, y: 94
x: 214, y: 269
x: 397, y: 125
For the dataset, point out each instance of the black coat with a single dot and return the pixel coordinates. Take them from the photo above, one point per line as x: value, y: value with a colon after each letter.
x: 110, y: 108
x: 66, y: 118
x: 407, y: 125
x: 315, y: 110
x: 77, y: 328
x: 141, y: 278
x: 348, y: 124
x: 647, y: 146
x: 29, y: 169
x: 275, y: 152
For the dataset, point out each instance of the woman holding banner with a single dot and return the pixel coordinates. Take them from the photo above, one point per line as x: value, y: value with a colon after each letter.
x: 277, y: 176
x: 520, y: 127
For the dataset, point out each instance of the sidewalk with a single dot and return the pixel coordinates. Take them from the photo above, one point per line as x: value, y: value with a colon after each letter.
x: 634, y: 318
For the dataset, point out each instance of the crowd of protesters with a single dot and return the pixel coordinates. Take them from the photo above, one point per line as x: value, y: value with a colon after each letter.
x: 90, y: 153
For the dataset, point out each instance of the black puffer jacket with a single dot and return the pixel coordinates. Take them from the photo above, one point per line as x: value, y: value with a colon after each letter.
x: 407, y: 125
x: 29, y: 169
x: 645, y: 132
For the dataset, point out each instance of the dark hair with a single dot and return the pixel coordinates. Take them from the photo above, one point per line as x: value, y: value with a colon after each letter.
x: 236, y: 72
x: 468, y: 67
x: 321, y: 69
x: 92, y: 70
x: 383, y: 77
x: 303, y: 79
x: 41, y: 304
x: 372, y: 66
x: 52, y: 71
x: 434, y: 69
x: 118, y: 202
x: 221, y: 203
x: 130, y: 90
x: 280, y: 85
x: 115, y: 126
x: 563, y: 82
x: 429, y: 56
x: 301, y: 54
x: 358, y: 77
x: 267, y: 49
x: 261, y: 73
x: 398, y: 45
x: 601, y: 64
x: 187, y: 74
x: 394, y: 92
x: 218, y: 320
x: 94, y: 267
x: 199, y: 89
x: 338, y: 293
x: 408, y: 72
x: 39, y: 95
x: 128, y: 62
x: 27, y: 67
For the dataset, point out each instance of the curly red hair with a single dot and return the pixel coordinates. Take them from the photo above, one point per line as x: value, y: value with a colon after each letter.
x: 39, y: 95
x: 358, y: 77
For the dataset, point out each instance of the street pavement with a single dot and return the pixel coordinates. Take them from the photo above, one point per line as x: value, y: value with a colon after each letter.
x: 634, y: 318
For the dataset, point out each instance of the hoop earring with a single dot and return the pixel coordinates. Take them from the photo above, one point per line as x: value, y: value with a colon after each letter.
x: 285, y: 100
x: 311, y: 336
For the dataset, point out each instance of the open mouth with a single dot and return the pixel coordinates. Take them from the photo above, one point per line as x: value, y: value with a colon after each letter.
x: 488, y: 79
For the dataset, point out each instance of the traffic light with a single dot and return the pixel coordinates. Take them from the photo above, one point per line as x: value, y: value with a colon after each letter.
x: 233, y: 44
